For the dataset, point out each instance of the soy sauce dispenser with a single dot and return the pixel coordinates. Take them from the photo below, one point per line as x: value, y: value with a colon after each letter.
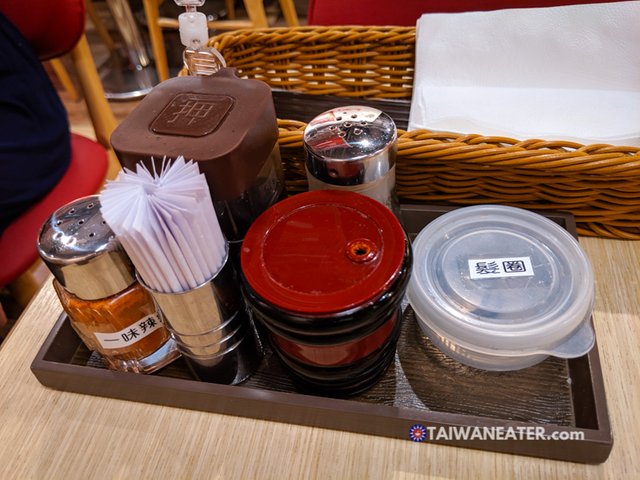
x: 224, y: 123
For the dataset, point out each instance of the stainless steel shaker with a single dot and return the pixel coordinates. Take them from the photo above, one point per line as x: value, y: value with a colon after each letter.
x: 353, y: 148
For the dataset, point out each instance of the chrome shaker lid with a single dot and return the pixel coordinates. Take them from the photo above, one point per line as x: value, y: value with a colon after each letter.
x: 82, y: 251
x: 350, y: 145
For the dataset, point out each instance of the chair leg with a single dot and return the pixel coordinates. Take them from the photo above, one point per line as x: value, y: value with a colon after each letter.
x: 151, y: 11
x: 102, y: 31
x: 289, y: 12
x: 256, y: 13
x: 65, y: 79
x: 102, y: 118
x: 114, y: 165
x: 229, y: 6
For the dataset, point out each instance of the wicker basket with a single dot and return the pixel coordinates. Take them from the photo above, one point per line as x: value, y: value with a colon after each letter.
x: 599, y: 184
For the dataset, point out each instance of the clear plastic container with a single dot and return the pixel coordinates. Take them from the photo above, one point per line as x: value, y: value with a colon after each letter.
x: 501, y: 288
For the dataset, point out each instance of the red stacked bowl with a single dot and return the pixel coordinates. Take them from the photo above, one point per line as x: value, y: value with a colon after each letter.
x: 324, y: 272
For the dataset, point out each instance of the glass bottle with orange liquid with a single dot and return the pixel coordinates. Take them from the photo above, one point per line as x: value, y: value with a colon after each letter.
x: 96, y: 284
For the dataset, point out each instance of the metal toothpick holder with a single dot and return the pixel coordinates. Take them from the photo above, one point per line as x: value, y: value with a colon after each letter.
x: 212, y: 328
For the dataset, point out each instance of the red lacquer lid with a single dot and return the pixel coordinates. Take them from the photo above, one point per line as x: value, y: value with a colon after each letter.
x: 323, y: 252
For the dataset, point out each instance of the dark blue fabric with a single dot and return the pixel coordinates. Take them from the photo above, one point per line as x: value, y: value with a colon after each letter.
x: 35, y: 144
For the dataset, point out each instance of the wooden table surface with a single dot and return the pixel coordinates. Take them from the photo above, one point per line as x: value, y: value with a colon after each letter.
x: 47, y: 433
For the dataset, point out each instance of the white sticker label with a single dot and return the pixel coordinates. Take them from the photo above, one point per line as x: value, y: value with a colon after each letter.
x: 130, y: 335
x: 500, y: 267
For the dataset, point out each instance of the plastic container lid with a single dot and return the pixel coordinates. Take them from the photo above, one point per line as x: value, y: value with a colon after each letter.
x: 503, y: 281
x: 323, y: 252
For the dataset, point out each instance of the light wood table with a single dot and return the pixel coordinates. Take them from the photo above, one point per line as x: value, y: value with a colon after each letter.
x: 46, y: 433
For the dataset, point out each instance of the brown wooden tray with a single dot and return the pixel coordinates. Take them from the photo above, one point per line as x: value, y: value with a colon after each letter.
x: 423, y: 387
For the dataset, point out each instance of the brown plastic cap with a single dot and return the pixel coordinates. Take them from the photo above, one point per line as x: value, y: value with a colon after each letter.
x: 226, y: 124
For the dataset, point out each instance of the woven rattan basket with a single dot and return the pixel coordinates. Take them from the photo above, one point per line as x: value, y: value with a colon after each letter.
x: 599, y: 184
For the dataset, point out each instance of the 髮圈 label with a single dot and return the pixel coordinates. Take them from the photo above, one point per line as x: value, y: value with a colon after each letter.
x: 481, y: 268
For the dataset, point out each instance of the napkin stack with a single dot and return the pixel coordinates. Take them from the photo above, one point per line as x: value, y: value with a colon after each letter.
x: 569, y: 73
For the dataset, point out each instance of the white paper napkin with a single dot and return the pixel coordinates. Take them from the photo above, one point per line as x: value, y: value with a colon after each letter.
x: 569, y: 73
x: 167, y: 224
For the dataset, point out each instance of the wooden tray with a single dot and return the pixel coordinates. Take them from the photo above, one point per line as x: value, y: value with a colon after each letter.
x: 422, y: 387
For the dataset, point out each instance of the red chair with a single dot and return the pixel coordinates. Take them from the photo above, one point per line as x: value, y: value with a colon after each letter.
x: 53, y: 29
x: 407, y: 12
